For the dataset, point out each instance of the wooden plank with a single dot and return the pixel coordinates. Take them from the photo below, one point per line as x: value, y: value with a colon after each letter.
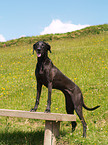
x: 48, y: 133
x: 55, y: 133
x: 37, y: 115
x: 51, y: 132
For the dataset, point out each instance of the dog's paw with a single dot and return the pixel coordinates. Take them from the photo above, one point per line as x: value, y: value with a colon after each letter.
x: 33, y: 110
x: 47, y: 111
x: 74, y: 124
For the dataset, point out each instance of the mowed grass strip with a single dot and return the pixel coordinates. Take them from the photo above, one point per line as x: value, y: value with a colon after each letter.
x: 84, y: 60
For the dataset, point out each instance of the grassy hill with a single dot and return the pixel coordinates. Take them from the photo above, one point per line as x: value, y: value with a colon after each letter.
x: 49, y: 37
x: 82, y: 56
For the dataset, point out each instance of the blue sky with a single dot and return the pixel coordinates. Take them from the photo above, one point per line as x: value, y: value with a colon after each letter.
x: 34, y: 17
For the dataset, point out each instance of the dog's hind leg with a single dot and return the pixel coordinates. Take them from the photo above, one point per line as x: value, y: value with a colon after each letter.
x: 78, y: 108
x: 70, y: 109
x: 79, y: 113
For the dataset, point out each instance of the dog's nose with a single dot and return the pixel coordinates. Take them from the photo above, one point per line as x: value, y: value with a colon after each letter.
x: 39, y: 49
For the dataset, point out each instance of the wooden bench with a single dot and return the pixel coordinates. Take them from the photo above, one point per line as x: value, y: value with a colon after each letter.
x: 52, y: 121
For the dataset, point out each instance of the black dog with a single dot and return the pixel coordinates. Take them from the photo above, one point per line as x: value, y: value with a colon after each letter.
x: 49, y: 75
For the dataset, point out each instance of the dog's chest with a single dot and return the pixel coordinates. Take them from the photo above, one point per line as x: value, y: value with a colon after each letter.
x: 41, y: 75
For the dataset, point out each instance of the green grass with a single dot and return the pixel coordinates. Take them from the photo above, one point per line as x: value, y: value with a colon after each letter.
x: 83, y: 58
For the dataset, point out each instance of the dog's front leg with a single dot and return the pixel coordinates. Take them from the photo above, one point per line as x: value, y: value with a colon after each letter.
x: 39, y: 87
x: 49, y: 97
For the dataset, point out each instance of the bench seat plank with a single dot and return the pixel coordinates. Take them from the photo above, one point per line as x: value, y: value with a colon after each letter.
x: 37, y: 115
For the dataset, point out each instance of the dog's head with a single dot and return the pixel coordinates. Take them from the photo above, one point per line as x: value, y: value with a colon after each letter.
x: 41, y: 48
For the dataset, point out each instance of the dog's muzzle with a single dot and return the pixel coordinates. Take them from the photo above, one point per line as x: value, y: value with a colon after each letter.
x: 38, y: 52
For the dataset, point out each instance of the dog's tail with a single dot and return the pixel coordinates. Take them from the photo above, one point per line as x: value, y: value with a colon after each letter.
x: 90, y: 109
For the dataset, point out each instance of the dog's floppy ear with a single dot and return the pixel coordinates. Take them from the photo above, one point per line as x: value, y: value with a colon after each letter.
x: 48, y: 47
x: 33, y: 48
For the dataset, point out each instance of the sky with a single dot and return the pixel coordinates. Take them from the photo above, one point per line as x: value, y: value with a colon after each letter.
x: 21, y: 18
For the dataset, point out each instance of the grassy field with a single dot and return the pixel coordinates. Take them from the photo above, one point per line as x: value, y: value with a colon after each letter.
x: 83, y: 58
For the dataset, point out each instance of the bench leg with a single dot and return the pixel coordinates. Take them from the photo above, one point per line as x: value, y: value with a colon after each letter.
x: 51, y: 132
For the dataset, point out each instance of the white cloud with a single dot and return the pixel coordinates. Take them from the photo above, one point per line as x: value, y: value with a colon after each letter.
x: 2, y: 39
x: 57, y: 26
x: 22, y: 36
